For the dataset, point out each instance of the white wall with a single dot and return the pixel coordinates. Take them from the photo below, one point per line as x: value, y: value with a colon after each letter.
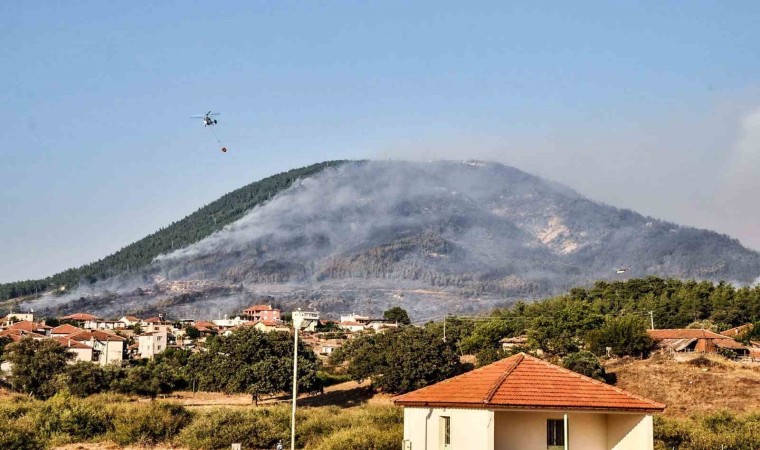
x: 630, y: 432
x: 112, y: 353
x: 520, y: 430
x: 471, y: 429
x: 523, y: 430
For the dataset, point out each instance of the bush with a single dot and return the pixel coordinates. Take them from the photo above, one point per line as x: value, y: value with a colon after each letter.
x: 254, y: 428
x: 149, y: 424
x: 328, y: 379
x: 64, y: 419
x: 721, y: 429
x: 19, y: 435
x: 363, y: 438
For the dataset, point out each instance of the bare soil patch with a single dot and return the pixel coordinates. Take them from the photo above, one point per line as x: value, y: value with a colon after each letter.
x: 346, y: 395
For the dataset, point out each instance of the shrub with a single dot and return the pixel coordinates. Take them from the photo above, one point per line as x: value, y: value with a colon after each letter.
x: 363, y: 438
x: 19, y: 435
x: 149, y: 424
x: 254, y: 428
x: 64, y: 419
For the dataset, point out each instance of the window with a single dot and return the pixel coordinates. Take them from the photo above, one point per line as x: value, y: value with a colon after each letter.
x: 555, y: 434
x: 444, y: 424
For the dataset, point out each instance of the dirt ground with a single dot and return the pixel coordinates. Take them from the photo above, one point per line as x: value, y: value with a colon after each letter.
x: 346, y: 395
x: 700, y: 385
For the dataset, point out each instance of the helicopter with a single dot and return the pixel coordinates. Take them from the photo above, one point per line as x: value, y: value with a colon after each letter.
x: 207, y: 118
x: 209, y: 122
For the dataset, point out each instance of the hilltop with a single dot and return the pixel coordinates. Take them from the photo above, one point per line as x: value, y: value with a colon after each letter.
x: 440, y: 236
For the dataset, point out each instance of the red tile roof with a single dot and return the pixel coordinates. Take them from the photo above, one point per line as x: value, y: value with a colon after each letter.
x: 685, y: 333
x: 733, y: 332
x: 16, y: 335
x: 96, y: 334
x: 28, y: 326
x: 65, y: 329
x: 729, y: 343
x: 70, y: 343
x: 522, y: 381
x: 79, y: 316
x: 257, y: 308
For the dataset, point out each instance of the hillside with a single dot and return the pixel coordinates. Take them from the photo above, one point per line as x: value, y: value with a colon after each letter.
x: 704, y: 385
x: 434, y: 237
x: 198, y: 225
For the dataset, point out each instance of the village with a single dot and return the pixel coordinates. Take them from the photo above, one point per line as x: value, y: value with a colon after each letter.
x: 112, y: 341
x: 106, y: 341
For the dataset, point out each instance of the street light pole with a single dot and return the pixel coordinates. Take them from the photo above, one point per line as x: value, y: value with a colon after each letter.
x: 296, y: 326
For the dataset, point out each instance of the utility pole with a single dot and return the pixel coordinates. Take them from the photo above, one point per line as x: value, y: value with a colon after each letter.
x: 297, y: 319
x: 651, y: 319
x: 444, y: 329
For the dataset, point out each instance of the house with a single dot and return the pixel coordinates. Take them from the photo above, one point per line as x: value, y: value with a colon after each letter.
x: 355, y: 318
x: 152, y: 343
x: 308, y: 320
x: 20, y: 316
x: 129, y: 321
x: 352, y: 327
x: 694, y: 340
x: 262, y: 312
x: 229, y: 323
x: 268, y: 325
x: 31, y: 327
x: 328, y: 346
x: 79, y: 319
x: 80, y: 351
x: 152, y: 321
x: 380, y: 324
x: 102, y: 324
x: 16, y: 335
x: 512, y: 342
x: 524, y: 403
x: 737, y: 331
x: 107, y: 347
x: 64, y: 330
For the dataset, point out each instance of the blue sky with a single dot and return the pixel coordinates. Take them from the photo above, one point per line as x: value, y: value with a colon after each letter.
x: 647, y: 105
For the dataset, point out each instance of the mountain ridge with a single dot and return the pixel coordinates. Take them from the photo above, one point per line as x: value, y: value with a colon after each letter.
x: 193, y: 227
x: 437, y: 236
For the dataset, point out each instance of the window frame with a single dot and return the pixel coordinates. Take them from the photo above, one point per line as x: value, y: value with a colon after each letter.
x: 444, y: 431
x: 555, y: 434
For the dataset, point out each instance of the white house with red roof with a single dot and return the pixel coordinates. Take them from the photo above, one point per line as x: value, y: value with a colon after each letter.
x: 80, y: 351
x: 524, y: 403
x: 108, y: 347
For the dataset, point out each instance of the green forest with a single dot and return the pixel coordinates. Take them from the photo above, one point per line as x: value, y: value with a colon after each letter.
x: 608, y: 314
x: 191, y: 229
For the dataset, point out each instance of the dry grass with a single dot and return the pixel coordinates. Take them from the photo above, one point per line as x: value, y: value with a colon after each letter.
x: 701, y: 385
x: 112, y: 446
